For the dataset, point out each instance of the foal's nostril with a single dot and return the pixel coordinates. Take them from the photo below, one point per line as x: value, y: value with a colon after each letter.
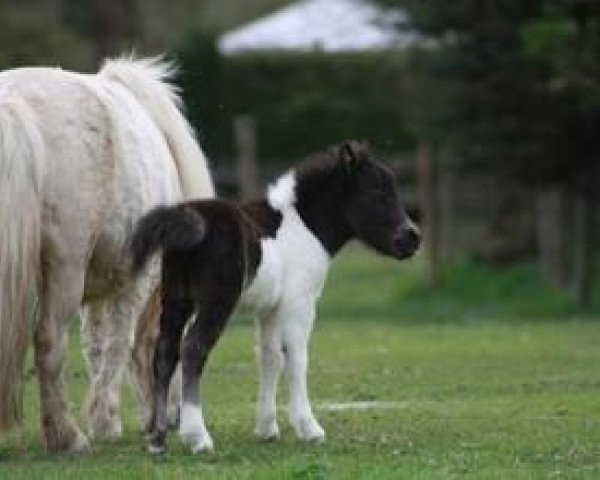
x: 413, y: 238
x: 408, y: 240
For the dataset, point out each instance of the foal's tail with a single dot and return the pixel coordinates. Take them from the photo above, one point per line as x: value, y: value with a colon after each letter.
x: 176, y: 227
x: 21, y: 173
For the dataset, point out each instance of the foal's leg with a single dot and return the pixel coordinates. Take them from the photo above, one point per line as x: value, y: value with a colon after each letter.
x: 174, y: 316
x: 196, y: 346
x: 270, y: 358
x: 297, y: 321
x: 60, y: 297
x: 103, y: 414
x: 141, y: 366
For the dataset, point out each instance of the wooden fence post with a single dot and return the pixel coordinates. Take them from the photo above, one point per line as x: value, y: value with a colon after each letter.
x: 585, y: 220
x: 247, y: 168
x: 447, y: 213
x: 551, y: 235
x: 428, y: 203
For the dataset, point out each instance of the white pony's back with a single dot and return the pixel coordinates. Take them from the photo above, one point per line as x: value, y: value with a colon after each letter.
x: 146, y: 79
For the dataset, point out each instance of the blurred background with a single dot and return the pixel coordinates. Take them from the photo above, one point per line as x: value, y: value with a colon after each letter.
x: 488, y: 111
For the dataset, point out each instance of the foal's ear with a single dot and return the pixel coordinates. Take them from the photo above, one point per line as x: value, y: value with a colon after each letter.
x: 349, y: 155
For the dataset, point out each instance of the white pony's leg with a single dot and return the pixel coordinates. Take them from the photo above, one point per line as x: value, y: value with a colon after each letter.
x: 60, y: 297
x: 103, y: 414
x: 296, y: 334
x: 93, y: 323
x: 270, y: 359
x: 96, y: 333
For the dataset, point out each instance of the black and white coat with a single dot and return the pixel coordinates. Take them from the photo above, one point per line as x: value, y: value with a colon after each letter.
x: 270, y: 255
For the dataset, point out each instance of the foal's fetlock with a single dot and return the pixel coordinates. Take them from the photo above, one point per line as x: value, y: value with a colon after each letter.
x: 309, y: 430
x: 173, y: 417
x: 157, y: 444
x: 199, y: 442
x: 193, y: 431
x: 267, y: 430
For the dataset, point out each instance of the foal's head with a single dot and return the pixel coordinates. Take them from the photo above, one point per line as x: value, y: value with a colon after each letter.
x: 373, y: 207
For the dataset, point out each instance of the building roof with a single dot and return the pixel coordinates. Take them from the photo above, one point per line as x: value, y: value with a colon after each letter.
x: 323, y: 25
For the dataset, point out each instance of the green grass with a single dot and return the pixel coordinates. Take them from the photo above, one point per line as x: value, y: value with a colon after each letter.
x: 468, y: 292
x: 488, y: 399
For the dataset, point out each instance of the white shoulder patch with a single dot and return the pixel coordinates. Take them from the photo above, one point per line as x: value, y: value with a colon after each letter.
x: 282, y: 195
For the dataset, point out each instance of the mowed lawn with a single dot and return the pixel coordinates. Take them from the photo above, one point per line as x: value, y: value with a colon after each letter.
x: 399, y: 397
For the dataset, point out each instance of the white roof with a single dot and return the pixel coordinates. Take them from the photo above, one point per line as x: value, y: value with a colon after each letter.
x: 323, y: 25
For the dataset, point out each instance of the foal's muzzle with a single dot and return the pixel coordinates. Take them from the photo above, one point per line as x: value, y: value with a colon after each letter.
x: 407, y: 241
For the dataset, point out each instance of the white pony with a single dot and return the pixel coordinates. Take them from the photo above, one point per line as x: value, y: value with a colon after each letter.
x: 82, y: 157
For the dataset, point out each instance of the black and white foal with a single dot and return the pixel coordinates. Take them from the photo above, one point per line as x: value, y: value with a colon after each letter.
x: 271, y: 255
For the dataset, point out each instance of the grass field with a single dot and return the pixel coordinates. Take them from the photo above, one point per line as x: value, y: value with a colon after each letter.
x: 466, y: 388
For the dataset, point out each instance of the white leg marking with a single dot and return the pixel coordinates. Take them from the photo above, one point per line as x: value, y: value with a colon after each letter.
x: 296, y: 336
x: 301, y: 415
x: 270, y: 359
x: 192, y: 429
x: 174, y: 401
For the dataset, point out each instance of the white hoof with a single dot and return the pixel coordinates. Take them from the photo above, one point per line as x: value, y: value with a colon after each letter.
x: 156, y: 449
x: 309, y: 430
x: 198, y: 442
x: 192, y: 429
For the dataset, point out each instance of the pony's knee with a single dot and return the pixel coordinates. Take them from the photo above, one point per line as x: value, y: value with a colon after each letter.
x: 272, y: 355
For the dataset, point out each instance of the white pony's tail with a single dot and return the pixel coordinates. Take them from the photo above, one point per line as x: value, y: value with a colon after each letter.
x: 147, y: 79
x: 21, y: 174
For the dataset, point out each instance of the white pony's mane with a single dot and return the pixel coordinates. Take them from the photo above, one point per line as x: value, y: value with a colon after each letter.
x: 148, y: 80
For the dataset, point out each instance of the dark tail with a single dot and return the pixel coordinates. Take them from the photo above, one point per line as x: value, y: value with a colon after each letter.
x: 176, y: 227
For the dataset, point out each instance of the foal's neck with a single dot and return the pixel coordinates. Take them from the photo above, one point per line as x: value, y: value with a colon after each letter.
x: 318, y: 199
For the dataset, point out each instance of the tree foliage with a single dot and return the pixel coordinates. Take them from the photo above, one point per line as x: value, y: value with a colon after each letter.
x: 525, y: 84
x: 300, y: 102
x: 34, y: 36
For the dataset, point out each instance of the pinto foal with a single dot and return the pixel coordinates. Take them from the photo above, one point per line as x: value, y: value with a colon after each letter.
x: 271, y: 255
